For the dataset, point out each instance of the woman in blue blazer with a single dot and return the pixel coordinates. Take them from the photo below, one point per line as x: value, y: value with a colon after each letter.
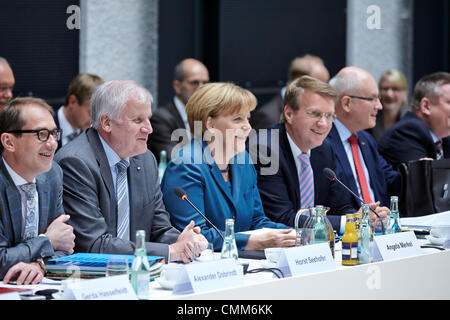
x: 216, y: 172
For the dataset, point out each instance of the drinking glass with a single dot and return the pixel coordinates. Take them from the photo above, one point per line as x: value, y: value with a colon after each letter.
x: 117, y: 265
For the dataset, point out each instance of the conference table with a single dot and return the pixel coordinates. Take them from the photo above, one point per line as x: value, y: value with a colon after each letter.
x: 424, y: 276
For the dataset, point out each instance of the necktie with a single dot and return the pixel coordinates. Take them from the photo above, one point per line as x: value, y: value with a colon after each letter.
x: 439, y: 151
x: 123, y: 225
x: 359, y: 170
x: 306, y: 181
x: 31, y: 217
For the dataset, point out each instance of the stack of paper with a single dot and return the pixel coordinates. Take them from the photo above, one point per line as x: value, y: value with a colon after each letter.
x: 92, y: 265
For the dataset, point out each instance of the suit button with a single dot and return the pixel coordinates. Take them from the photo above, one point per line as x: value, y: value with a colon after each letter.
x: 234, y: 217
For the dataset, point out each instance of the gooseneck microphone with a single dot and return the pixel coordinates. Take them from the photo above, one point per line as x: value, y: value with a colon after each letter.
x: 332, y: 176
x: 182, y: 195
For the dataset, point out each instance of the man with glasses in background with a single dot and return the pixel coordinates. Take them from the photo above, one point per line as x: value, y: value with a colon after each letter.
x: 7, y: 82
x: 33, y: 225
x: 360, y: 166
x: 189, y: 75
x: 297, y: 144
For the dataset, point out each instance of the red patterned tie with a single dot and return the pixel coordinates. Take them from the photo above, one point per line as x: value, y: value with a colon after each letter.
x: 359, y: 170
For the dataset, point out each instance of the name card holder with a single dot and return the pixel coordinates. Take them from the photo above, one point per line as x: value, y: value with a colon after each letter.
x: 395, y: 246
x: 206, y: 276
x: 107, y: 288
x: 306, y: 259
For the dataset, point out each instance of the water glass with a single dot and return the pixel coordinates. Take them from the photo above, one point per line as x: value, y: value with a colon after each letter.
x: 117, y: 265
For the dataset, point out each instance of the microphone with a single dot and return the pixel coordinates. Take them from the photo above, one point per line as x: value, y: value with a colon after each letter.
x: 332, y: 176
x: 182, y: 195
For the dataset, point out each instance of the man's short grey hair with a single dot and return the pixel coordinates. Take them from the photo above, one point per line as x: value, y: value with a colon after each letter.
x: 111, y: 97
x: 346, y: 83
x: 429, y: 86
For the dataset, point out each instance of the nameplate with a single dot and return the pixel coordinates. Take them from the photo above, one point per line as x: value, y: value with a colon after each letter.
x: 106, y: 288
x: 206, y: 276
x: 395, y: 246
x: 306, y: 259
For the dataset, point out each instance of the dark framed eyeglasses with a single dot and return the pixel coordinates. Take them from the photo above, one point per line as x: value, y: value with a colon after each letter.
x: 370, y: 99
x: 42, y: 134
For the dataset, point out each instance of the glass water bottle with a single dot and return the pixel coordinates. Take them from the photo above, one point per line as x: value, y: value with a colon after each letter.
x: 365, y: 237
x: 393, y: 225
x: 229, y: 248
x: 140, y: 269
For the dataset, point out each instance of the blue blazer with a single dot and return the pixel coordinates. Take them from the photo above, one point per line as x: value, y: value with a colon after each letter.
x: 408, y: 140
x: 384, y: 181
x: 194, y: 170
x: 12, y: 248
x: 280, y: 191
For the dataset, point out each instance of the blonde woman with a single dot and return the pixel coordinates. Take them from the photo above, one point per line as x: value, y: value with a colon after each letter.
x: 394, y: 99
x: 216, y: 172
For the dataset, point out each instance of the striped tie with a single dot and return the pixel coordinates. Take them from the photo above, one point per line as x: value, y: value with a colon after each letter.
x: 123, y: 225
x: 306, y: 180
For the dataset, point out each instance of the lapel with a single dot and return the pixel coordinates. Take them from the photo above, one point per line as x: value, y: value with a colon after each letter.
x: 174, y: 111
x: 367, y: 157
x: 44, y: 202
x: 286, y: 153
x: 102, y: 161
x: 342, y: 159
x: 136, y: 185
x: 214, y: 170
x: 14, y: 202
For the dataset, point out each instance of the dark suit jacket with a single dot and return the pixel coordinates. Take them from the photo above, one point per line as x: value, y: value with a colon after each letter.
x: 384, y: 181
x: 89, y: 198
x: 164, y: 121
x: 280, y: 191
x: 268, y: 114
x: 408, y: 140
x: 12, y: 248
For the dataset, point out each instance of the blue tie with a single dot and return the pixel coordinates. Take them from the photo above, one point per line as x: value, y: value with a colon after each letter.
x: 31, y: 217
x: 123, y: 225
x: 306, y: 180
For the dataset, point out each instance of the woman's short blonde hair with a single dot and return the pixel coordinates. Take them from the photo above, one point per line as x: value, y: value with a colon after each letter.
x: 215, y: 99
x: 396, y: 77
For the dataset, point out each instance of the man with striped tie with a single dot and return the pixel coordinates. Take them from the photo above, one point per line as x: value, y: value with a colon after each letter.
x: 111, y: 185
x: 297, y: 181
x: 33, y: 225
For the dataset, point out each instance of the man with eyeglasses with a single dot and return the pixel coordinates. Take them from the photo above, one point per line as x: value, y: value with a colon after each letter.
x: 361, y: 167
x: 189, y: 75
x: 423, y: 133
x: 296, y: 147
x: 33, y: 225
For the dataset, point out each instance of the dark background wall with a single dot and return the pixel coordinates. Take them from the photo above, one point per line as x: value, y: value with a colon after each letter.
x: 245, y: 41
x: 249, y: 42
x: 42, y: 51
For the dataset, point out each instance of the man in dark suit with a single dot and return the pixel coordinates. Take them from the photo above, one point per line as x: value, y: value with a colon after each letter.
x: 269, y: 113
x: 424, y: 132
x: 111, y: 186
x: 308, y: 114
x: 32, y: 221
x: 189, y: 74
x: 360, y: 165
x: 75, y: 115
